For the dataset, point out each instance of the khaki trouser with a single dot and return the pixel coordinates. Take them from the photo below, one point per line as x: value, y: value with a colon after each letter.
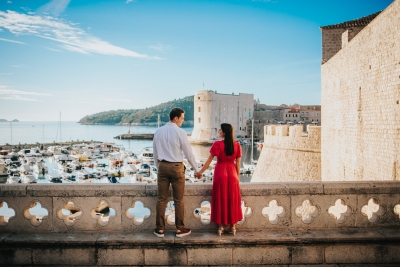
x: 170, y: 173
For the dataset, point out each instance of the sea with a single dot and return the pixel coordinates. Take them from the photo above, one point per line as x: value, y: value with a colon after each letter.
x: 37, y: 132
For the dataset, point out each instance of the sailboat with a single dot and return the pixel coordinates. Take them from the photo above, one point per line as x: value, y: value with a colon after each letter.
x: 253, y: 163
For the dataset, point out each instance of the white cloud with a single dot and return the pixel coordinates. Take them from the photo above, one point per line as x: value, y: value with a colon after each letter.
x: 12, y: 94
x: 9, y: 2
x: 54, y: 7
x: 17, y: 97
x: 115, y: 100
x: 73, y: 38
x: 161, y: 47
x: 18, y: 66
x: 52, y: 49
x: 265, y: 1
x: 129, y: 1
x: 11, y: 41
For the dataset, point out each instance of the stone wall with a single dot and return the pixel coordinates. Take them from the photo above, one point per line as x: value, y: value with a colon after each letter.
x: 289, y: 154
x: 360, y: 97
x: 80, y: 208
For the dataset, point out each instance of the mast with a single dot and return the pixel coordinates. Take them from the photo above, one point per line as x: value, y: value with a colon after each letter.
x: 158, y: 121
x: 11, y: 131
x: 129, y: 128
x: 252, y: 130
x: 60, y: 128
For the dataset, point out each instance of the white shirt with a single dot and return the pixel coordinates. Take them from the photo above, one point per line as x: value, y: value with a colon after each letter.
x: 168, y: 144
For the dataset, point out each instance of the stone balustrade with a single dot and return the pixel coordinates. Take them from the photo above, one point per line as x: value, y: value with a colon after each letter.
x: 131, y: 207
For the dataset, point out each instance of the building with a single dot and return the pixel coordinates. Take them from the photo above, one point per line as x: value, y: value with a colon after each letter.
x: 360, y: 82
x: 360, y: 136
x: 211, y: 109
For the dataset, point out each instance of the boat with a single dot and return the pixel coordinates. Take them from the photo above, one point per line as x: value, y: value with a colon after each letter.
x: 115, y: 159
x: 146, y: 154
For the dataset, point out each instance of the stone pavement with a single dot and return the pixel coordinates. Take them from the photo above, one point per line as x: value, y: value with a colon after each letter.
x: 266, y: 247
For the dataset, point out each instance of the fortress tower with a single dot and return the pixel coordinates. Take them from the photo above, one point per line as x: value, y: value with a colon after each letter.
x: 212, y: 109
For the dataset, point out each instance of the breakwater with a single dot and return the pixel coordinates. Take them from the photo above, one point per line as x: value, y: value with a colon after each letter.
x: 45, y: 145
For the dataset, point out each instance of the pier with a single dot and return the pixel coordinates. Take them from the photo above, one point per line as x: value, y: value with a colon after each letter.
x: 45, y: 145
x: 142, y: 136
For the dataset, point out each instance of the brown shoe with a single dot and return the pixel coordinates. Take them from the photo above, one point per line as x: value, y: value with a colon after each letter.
x: 183, y: 232
x: 159, y: 233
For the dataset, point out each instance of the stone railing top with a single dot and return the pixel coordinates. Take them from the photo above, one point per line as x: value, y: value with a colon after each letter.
x: 247, y: 189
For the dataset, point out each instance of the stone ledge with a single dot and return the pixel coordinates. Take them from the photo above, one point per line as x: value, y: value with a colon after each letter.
x: 206, y: 238
x: 247, y: 189
x: 288, y: 247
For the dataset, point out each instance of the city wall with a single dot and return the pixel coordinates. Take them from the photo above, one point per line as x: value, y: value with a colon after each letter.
x: 288, y: 154
x: 361, y: 102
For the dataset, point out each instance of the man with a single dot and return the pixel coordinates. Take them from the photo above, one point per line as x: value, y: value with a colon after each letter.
x: 170, y: 143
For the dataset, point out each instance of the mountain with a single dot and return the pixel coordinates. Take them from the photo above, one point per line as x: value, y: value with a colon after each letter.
x: 142, y: 116
x: 15, y: 120
x: 3, y: 120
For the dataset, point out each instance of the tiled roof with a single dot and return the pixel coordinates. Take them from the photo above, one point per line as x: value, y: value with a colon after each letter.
x: 364, y: 21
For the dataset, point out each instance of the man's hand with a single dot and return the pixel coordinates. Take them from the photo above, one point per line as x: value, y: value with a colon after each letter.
x: 197, y: 175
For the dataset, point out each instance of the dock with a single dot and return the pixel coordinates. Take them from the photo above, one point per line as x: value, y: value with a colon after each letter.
x: 142, y: 136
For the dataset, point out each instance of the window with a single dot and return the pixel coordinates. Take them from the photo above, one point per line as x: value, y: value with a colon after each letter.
x: 199, y: 120
x: 240, y: 128
x: 199, y: 109
x: 312, y: 113
x: 198, y: 98
x: 317, y: 114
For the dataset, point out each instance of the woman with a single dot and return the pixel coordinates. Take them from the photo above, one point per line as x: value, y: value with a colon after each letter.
x: 226, y: 208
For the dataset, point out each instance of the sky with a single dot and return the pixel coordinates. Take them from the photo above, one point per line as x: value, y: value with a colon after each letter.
x: 81, y: 57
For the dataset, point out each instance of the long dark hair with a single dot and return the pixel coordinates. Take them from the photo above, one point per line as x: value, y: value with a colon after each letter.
x: 227, y: 129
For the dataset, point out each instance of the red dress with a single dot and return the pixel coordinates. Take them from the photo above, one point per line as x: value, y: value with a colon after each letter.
x: 226, y: 202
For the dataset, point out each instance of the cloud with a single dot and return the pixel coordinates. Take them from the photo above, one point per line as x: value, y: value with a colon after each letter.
x: 12, y: 94
x: 18, y: 66
x: 129, y: 1
x: 115, y: 100
x: 11, y: 41
x: 9, y: 2
x: 52, y: 49
x: 54, y: 7
x: 71, y: 37
x: 161, y: 47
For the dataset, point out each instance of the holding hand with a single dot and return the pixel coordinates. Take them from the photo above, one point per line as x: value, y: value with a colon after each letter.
x: 197, y: 175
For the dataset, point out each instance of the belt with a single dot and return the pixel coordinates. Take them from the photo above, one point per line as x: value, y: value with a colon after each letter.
x: 169, y: 161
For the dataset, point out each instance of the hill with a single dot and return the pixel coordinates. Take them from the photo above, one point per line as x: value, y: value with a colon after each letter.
x: 142, y: 116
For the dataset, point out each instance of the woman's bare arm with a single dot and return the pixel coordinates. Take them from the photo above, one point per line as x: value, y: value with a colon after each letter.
x: 206, y: 165
x: 238, y: 166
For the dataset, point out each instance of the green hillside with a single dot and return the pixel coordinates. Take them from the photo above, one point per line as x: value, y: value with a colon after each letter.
x: 146, y: 115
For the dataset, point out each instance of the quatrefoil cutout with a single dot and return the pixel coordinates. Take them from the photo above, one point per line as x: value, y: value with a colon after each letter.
x: 69, y: 213
x: 138, y: 213
x: 203, y: 213
x: 397, y: 210
x: 103, y: 213
x: 273, y: 212
x: 307, y: 211
x: 36, y: 213
x: 6, y: 213
x: 246, y: 211
x: 373, y: 210
x: 170, y: 213
x: 340, y: 211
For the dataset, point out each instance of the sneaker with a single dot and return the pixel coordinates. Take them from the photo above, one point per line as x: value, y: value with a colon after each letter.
x: 183, y: 232
x: 159, y: 233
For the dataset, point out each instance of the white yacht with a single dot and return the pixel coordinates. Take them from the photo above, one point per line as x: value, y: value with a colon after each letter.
x: 146, y: 154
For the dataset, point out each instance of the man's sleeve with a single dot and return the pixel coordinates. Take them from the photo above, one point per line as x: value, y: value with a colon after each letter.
x: 155, y: 156
x: 187, y: 151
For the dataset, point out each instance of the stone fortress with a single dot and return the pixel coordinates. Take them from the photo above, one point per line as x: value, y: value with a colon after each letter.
x: 211, y: 109
x: 360, y: 136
